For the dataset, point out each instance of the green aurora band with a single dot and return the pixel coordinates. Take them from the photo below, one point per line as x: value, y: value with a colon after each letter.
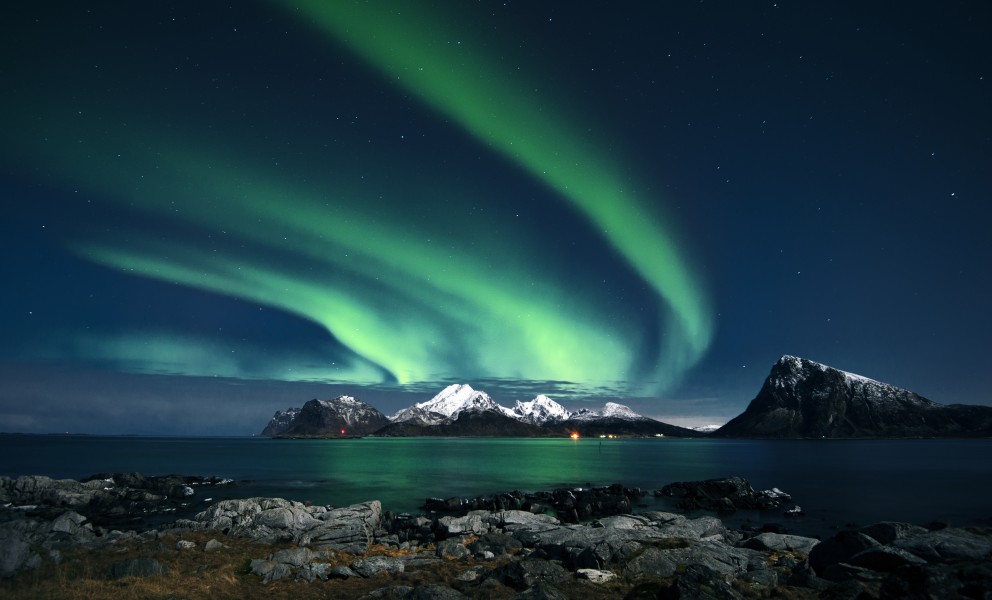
x: 407, y: 46
x: 409, y: 306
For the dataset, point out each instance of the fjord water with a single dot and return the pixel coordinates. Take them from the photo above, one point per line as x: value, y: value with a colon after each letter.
x: 835, y: 481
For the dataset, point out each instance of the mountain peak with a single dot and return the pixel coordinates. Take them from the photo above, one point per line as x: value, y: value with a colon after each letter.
x: 804, y: 398
x: 540, y: 410
x: 448, y: 404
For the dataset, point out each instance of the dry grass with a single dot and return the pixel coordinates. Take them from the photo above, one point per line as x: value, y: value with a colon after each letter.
x: 224, y: 573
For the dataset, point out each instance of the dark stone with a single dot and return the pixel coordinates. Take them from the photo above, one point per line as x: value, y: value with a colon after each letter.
x: 435, y: 592
x: 137, y: 567
x: 541, y: 591
x: 525, y: 573
x: 887, y: 532
x: 723, y: 495
x: 946, y: 544
x: 884, y: 558
x: 699, y: 582
x: 839, y: 548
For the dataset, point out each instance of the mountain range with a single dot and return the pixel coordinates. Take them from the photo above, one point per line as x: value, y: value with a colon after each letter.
x: 460, y: 410
x: 800, y: 398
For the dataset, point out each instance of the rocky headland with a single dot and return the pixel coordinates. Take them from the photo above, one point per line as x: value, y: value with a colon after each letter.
x: 65, y: 538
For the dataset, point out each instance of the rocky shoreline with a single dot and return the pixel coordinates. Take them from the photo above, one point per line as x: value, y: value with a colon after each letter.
x: 567, y: 543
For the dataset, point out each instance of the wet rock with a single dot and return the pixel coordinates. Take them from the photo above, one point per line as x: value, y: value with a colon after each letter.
x: 136, y: 567
x: 723, y: 495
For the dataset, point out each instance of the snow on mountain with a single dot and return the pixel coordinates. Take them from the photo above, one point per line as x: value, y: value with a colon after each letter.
x: 611, y: 410
x: 448, y: 404
x: 539, y: 411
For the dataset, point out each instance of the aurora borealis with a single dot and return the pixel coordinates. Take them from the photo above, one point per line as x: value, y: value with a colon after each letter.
x: 282, y: 200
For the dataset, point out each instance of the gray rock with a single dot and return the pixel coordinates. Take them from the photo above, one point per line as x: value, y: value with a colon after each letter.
x: 452, y: 549
x: 341, y: 572
x: 137, y: 567
x: 702, y: 583
x: 185, y: 545
x: 842, y: 571
x: 839, y: 548
x: 779, y: 542
x: 887, y: 532
x: 15, y: 552
x: 766, y: 578
x: 541, y: 591
x: 475, y: 522
x: 213, y: 545
x: 373, y: 565
x: 270, y: 570
x: 435, y: 592
x: 947, y: 544
x: 526, y: 573
x: 653, y: 562
x: 730, y: 562
x: 315, y: 571
x: 884, y: 558
x: 519, y: 520
x: 394, y: 591
x: 296, y: 557
x: 595, y: 575
x: 72, y: 525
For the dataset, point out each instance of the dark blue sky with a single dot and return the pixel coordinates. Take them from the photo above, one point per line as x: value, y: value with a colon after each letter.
x: 213, y: 212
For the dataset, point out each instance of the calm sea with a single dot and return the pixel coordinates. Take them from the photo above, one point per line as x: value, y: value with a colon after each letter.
x: 836, y: 482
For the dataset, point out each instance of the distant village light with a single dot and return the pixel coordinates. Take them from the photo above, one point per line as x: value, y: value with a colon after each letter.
x: 575, y: 435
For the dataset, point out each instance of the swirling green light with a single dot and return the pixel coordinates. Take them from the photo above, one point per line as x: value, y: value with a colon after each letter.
x: 416, y: 49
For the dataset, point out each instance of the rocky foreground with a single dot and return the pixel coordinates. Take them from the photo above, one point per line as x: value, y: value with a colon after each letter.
x: 501, y: 546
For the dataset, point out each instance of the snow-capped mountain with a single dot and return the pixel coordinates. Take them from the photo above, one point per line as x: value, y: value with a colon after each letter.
x: 280, y: 421
x: 803, y: 398
x: 343, y: 415
x: 448, y: 405
x: 611, y: 410
x: 539, y: 411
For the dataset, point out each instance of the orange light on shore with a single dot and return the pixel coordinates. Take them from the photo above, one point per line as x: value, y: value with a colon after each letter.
x: 575, y: 435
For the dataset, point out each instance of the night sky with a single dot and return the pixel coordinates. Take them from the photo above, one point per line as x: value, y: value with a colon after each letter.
x: 212, y: 212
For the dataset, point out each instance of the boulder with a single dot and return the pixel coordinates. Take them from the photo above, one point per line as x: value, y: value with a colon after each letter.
x: 541, y: 591
x: 435, y: 592
x: 270, y: 570
x: 780, y: 542
x: 947, y: 544
x: 452, y: 549
x: 519, y: 520
x: 16, y: 553
x: 884, y: 558
x: 523, y: 574
x: 373, y: 565
x: 702, y: 583
x: 723, y: 495
x: 839, y: 548
x: 595, y: 575
x: 886, y: 532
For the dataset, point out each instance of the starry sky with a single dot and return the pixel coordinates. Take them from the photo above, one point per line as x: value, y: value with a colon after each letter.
x: 213, y: 211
